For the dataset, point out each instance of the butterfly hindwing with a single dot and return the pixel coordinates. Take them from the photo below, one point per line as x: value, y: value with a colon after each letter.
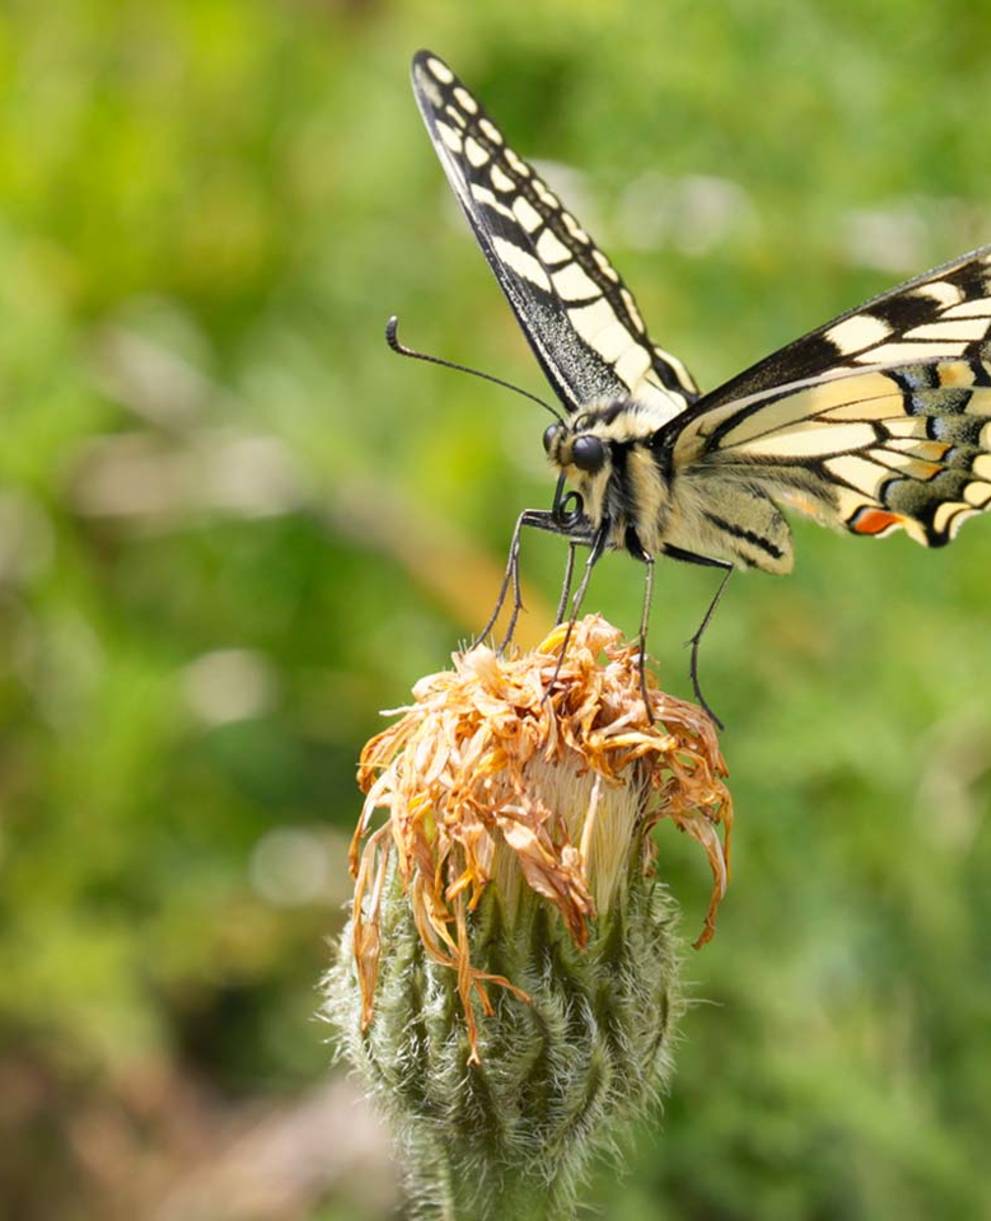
x: 576, y: 312
x: 876, y: 450
x: 876, y: 421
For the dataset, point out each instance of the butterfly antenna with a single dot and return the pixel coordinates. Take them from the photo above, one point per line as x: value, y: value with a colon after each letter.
x: 392, y: 339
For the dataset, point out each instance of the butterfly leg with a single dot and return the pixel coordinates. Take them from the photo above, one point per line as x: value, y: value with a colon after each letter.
x: 536, y: 519
x: 648, y: 597
x: 598, y: 546
x: 511, y: 566
x: 689, y: 557
x: 569, y: 572
x: 697, y: 638
x: 514, y: 569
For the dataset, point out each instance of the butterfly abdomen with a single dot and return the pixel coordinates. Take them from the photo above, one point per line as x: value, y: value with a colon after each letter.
x: 727, y: 520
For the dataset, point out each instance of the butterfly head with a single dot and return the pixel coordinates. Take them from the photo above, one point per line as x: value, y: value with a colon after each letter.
x: 595, y: 451
x: 575, y: 453
x: 582, y: 454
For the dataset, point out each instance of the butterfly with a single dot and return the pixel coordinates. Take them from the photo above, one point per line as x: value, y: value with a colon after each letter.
x: 876, y: 422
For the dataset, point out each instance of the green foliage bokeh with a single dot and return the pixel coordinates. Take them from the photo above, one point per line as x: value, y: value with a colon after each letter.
x: 228, y: 519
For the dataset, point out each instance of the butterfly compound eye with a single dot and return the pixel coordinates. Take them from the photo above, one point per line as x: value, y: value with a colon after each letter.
x: 588, y: 453
x: 550, y: 435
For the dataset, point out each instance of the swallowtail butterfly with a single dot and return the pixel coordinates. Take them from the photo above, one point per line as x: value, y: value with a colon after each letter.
x: 876, y: 422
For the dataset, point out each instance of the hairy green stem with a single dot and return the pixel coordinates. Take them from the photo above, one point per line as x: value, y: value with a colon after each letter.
x: 440, y: 1190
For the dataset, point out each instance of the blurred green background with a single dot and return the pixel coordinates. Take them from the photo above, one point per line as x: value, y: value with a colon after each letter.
x: 233, y: 527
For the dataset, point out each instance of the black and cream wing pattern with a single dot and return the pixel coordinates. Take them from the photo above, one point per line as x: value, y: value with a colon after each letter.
x: 577, y: 314
x: 878, y: 421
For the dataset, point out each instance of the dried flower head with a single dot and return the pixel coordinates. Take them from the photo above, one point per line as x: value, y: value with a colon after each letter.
x: 513, y: 878
x: 485, y: 780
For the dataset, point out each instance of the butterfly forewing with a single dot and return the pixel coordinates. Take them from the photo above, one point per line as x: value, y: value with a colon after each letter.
x: 576, y: 312
x: 945, y: 312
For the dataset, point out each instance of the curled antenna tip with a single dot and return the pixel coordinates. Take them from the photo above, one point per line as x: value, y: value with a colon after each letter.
x: 392, y: 339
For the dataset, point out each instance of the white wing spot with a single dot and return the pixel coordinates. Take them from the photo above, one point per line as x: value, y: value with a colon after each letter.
x: 939, y: 290
x: 982, y: 466
x: 632, y: 365
x: 979, y: 402
x: 440, y: 70
x: 891, y: 353
x: 857, y: 332
x: 500, y: 179
x: 551, y: 249
x: 526, y: 214
x: 591, y: 320
x: 545, y: 196
x: 865, y: 476
x: 515, y: 163
x: 449, y: 136
x: 490, y: 130
x: 956, y: 373
x: 573, y: 227
x: 573, y: 284
x: 522, y: 262
x: 466, y: 100
x: 485, y: 196
x: 977, y: 494
x: 610, y: 341
x: 475, y: 153
x: 631, y: 308
x: 452, y: 112
x: 965, y: 329
x: 664, y: 404
x: 944, y: 514
x: 605, y: 266
x: 910, y: 426
x: 981, y: 308
x: 428, y: 86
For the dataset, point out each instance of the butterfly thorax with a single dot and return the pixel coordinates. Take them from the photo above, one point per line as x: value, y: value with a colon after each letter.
x: 608, y: 453
x: 618, y: 457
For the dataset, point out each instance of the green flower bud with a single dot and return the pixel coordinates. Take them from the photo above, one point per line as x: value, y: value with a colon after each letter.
x: 507, y: 985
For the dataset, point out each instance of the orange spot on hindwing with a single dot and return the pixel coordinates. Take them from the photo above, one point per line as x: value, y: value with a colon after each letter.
x: 875, y: 521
